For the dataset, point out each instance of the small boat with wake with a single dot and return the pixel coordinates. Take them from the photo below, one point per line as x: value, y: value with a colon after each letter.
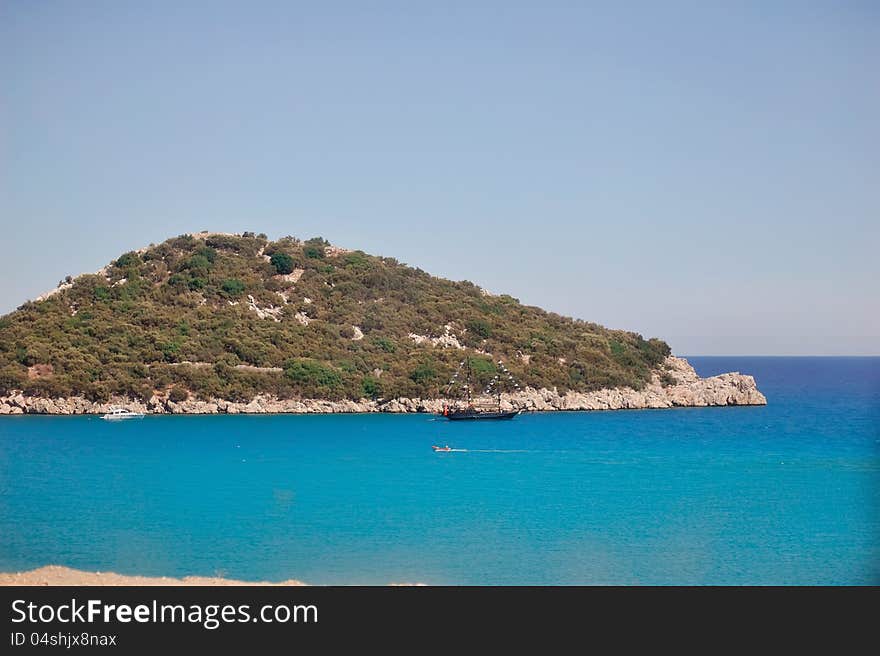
x: 122, y: 413
x: 441, y: 449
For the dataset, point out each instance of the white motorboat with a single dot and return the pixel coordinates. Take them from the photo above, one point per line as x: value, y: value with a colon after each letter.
x: 122, y: 413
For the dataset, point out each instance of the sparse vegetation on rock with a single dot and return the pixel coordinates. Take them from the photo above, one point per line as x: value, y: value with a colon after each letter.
x: 180, y: 316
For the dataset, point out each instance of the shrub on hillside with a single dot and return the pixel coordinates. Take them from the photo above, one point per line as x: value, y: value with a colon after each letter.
x: 198, y: 264
x: 479, y: 327
x: 312, y: 377
x: 208, y: 253
x: 370, y: 387
x: 282, y: 262
x: 232, y: 287
x: 385, y: 344
x: 127, y: 260
x: 178, y: 394
x: 423, y: 373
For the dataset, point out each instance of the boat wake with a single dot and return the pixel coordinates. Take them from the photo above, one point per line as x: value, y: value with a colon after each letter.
x: 488, y: 451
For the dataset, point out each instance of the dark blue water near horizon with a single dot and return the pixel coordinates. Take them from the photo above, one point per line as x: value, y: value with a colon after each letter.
x: 783, y: 494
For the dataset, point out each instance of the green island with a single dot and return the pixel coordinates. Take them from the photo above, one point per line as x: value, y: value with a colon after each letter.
x: 215, y: 315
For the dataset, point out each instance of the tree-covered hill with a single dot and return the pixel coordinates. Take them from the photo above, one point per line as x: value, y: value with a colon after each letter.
x: 231, y: 316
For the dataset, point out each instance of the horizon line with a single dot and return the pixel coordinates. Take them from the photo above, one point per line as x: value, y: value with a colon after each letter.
x: 780, y: 355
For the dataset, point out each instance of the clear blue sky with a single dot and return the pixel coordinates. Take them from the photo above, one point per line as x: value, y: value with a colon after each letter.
x: 705, y: 173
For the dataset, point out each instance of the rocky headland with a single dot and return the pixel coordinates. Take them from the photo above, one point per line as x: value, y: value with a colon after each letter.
x: 676, y: 384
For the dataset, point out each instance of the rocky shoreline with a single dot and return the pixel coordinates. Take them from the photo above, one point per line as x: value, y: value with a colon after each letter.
x: 681, y: 388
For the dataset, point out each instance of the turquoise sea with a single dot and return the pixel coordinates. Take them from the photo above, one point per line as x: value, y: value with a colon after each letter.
x: 783, y: 494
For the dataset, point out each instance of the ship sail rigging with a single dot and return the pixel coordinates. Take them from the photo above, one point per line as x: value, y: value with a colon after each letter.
x: 488, y: 404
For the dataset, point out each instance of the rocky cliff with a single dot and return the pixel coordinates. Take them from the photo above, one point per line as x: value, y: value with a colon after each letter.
x: 676, y: 384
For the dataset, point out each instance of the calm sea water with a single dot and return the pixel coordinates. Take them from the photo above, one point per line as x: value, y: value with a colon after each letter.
x: 783, y: 494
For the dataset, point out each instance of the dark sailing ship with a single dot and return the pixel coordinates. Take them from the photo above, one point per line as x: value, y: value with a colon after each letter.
x: 488, y: 405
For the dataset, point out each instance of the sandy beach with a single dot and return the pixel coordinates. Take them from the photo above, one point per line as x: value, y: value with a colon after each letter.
x: 57, y: 575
